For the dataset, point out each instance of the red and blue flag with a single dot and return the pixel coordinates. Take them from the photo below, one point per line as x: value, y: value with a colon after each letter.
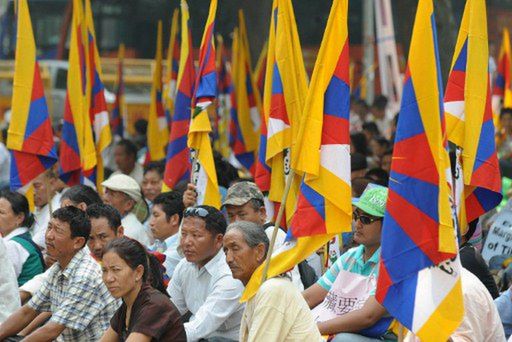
x: 30, y: 135
x: 177, y: 163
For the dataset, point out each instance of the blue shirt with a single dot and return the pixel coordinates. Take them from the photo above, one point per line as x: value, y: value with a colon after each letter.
x: 353, y: 259
x: 169, y: 247
x: 504, y: 305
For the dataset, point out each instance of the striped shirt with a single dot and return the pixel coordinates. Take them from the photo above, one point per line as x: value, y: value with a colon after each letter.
x: 77, y: 298
x: 351, y: 261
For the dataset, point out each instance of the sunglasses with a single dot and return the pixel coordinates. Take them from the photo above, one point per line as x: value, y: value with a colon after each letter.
x: 201, y: 212
x: 365, y: 220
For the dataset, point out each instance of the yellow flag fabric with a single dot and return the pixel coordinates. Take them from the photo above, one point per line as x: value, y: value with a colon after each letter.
x: 170, y: 83
x: 322, y: 151
x: 158, y: 131
x: 98, y: 106
x: 204, y: 173
x: 78, y: 90
x: 284, y: 98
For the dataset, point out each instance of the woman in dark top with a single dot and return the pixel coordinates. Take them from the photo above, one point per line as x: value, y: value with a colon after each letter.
x: 146, y: 314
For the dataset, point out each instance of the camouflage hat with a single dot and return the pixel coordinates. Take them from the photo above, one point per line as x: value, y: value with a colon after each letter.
x: 242, y: 192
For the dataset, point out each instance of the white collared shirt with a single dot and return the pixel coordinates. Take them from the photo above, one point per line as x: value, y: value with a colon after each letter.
x: 211, y: 295
x: 135, y: 230
x: 169, y: 247
x: 16, y: 252
x: 10, y: 299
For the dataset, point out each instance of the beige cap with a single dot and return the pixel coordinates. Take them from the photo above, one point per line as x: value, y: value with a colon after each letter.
x: 129, y: 186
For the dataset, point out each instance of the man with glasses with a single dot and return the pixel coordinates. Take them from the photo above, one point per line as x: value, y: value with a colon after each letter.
x: 202, y: 283
x: 343, y: 300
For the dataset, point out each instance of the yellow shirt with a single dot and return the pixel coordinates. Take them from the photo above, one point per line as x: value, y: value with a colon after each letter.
x: 278, y: 312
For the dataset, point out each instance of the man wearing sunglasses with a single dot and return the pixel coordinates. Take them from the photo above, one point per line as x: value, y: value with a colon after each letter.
x: 202, y: 283
x: 343, y: 300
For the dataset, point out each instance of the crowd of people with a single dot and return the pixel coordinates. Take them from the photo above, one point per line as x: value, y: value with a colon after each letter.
x: 133, y: 263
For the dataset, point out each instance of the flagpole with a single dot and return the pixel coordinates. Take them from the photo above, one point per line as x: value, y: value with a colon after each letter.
x: 280, y: 214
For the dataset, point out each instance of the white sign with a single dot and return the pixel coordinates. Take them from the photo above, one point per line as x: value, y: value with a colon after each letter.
x: 499, y: 238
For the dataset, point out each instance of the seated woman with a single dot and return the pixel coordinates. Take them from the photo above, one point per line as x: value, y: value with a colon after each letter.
x: 146, y: 314
x: 343, y: 300
x: 15, y: 220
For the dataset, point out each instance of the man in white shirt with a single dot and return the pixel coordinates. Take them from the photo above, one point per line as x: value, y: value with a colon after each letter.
x: 202, y: 283
x: 9, y: 300
x: 245, y: 202
x: 123, y: 193
x: 166, y: 215
x: 125, y: 157
x: 47, y: 187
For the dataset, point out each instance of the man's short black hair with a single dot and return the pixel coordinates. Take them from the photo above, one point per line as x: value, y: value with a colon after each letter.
x: 371, y: 127
x: 380, y: 102
x: 378, y: 176
x: 99, y: 210
x: 129, y: 147
x: 505, y: 111
x: 358, y: 162
x: 171, y: 203
x: 388, y: 152
x: 81, y: 193
x: 215, y: 222
x: 78, y: 222
x: 157, y: 166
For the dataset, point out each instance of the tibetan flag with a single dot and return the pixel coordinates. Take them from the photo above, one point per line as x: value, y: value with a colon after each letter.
x: 324, y: 207
x: 419, y: 275
x: 469, y: 121
x: 173, y: 59
x: 77, y: 149
x: 98, y: 105
x: 260, y: 69
x: 245, y: 121
x: 205, y: 175
x: 177, y: 162
x: 284, y: 98
x: 221, y: 143
x: 502, y: 92
x: 117, y: 115
x: 30, y: 135
x: 158, y: 131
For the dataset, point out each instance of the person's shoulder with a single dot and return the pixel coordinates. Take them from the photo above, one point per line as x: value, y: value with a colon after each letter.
x: 277, y: 287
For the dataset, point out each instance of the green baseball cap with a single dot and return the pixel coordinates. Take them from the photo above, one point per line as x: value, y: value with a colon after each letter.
x: 373, y: 200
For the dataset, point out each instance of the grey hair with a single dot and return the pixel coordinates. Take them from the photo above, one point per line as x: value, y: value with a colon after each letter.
x: 253, y: 233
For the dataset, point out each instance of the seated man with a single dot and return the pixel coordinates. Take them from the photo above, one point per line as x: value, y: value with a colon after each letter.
x: 47, y: 192
x: 9, y: 300
x: 245, y: 202
x: 202, y: 283
x: 105, y: 227
x: 277, y: 312
x: 123, y: 193
x: 166, y: 215
x: 344, y: 298
x: 74, y: 292
x: 81, y: 197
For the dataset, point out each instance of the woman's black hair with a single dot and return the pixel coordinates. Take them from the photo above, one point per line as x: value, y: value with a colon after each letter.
x: 19, y: 205
x: 134, y: 254
x: 360, y: 144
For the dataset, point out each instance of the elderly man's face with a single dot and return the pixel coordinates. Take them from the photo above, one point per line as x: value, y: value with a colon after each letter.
x: 242, y: 259
x: 119, y: 200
